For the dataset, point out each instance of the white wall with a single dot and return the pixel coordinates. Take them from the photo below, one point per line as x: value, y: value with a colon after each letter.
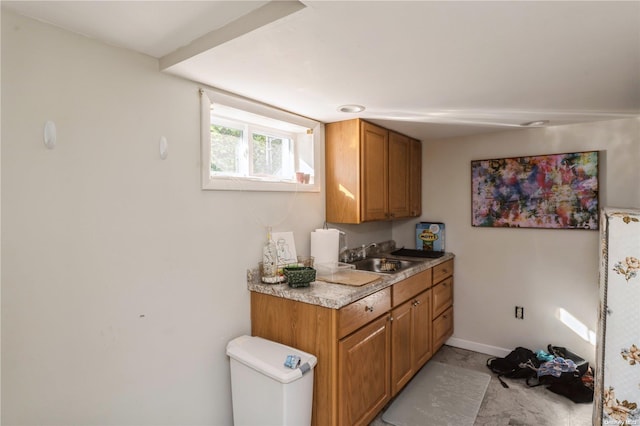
x: 540, y: 269
x: 122, y: 281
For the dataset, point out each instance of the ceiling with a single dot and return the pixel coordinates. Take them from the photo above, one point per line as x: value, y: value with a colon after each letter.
x: 425, y: 68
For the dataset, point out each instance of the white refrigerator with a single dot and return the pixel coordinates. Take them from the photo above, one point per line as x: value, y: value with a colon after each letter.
x: 617, y: 375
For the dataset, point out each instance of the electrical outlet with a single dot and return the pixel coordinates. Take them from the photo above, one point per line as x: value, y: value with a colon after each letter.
x: 520, y: 312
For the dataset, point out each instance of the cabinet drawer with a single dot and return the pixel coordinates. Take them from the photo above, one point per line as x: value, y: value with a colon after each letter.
x: 442, y: 328
x: 442, y: 296
x: 408, y: 288
x: 360, y: 312
x: 442, y: 271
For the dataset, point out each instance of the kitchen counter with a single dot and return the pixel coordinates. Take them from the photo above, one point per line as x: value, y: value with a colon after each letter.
x: 335, y: 296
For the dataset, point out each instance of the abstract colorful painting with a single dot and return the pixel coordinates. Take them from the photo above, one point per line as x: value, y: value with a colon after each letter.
x: 545, y: 191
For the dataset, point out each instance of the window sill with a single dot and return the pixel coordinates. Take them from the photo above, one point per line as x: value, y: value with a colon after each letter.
x: 247, y: 184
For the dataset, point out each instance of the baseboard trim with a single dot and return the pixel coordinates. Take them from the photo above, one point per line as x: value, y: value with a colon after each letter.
x: 477, y: 347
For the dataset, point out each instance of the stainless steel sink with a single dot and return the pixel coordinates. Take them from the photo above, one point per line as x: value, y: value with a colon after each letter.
x: 383, y: 265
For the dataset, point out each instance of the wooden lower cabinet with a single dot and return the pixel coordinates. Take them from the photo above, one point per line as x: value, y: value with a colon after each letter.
x: 442, y: 296
x: 442, y: 304
x: 352, y: 379
x: 363, y: 373
x: 368, y: 350
x: 401, y: 354
x: 442, y: 271
x: 410, y: 339
x: 421, y: 315
x: 442, y: 328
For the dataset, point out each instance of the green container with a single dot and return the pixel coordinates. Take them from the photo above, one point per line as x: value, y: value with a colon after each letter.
x: 299, y: 276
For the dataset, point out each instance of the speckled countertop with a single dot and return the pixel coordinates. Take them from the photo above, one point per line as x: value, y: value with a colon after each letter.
x: 336, y: 296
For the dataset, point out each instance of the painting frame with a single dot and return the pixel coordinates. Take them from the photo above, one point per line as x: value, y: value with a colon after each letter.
x: 551, y: 191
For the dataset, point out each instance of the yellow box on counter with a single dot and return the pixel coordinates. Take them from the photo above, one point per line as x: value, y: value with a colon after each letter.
x: 430, y: 236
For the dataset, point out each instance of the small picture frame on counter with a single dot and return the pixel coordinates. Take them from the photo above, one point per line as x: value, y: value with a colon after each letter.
x: 286, y: 248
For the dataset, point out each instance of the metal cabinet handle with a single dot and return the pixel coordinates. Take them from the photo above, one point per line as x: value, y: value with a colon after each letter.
x: 368, y: 308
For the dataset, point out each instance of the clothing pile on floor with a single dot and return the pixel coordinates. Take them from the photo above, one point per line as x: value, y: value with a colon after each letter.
x: 562, y: 371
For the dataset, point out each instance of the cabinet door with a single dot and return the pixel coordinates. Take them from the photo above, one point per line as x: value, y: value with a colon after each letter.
x: 399, y: 171
x: 342, y: 171
x: 421, y: 316
x: 442, y: 328
x: 364, y: 373
x: 415, y: 178
x: 410, y: 339
x: 374, y: 144
x: 401, y: 347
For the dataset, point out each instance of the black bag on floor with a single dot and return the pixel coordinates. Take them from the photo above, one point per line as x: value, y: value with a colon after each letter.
x: 575, y: 390
x: 521, y: 363
x: 569, y: 384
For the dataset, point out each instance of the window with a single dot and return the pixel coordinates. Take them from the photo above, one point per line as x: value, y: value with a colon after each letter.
x: 251, y: 146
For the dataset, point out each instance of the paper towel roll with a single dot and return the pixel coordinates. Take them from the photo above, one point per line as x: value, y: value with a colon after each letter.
x: 325, y: 245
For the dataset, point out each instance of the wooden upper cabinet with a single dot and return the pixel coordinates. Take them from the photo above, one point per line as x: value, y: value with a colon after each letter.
x: 399, y: 170
x: 342, y: 170
x: 415, y: 178
x: 374, y: 162
x: 370, y: 173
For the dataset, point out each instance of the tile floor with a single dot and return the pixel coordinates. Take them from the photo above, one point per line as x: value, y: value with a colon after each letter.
x: 519, y: 405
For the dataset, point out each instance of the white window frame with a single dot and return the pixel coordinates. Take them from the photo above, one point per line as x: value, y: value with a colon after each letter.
x: 244, y: 183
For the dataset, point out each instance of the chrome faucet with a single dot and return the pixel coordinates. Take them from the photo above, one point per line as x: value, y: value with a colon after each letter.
x: 363, y: 249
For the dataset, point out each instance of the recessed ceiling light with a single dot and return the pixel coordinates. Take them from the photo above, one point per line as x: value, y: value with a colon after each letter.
x: 534, y: 123
x: 351, y: 108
